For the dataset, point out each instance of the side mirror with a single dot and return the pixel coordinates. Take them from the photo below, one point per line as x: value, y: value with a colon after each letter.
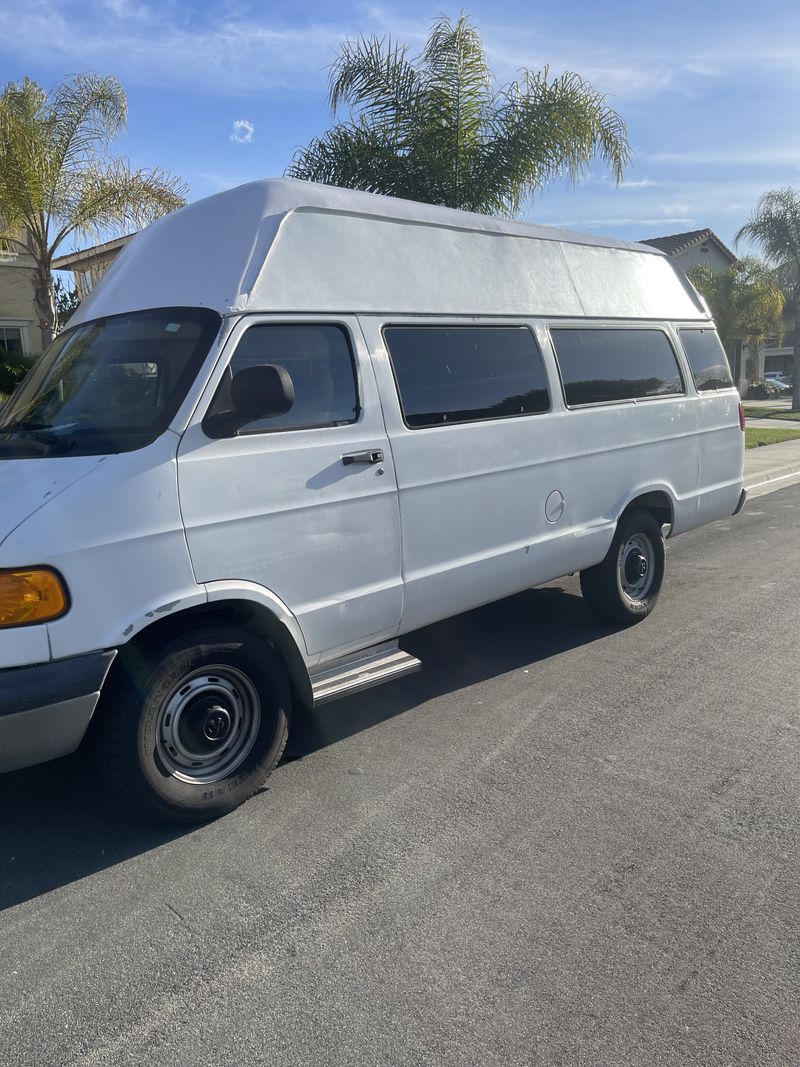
x: 262, y: 392
x: 254, y: 393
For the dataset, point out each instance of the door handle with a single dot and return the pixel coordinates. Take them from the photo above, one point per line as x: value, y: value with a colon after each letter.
x: 373, y: 456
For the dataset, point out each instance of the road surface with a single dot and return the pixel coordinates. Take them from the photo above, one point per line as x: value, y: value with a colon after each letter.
x: 561, y: 843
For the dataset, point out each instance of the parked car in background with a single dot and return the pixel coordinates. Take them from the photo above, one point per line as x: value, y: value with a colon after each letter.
x: 780, y: 380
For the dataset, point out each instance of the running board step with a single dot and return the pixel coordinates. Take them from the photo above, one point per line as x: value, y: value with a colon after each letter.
x: 381, y: 663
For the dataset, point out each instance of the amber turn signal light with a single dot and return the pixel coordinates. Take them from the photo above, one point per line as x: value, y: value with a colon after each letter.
x: 28, y: 596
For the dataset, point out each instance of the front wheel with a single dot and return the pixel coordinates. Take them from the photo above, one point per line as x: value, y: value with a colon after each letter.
x: 624, y: 588
x: 192, y: 727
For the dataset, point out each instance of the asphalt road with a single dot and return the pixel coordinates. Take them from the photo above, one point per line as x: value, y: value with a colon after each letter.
x: 559, y: 844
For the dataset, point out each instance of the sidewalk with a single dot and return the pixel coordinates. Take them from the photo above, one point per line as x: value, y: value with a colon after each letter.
x: 774, y: 424
x: 771, y: 467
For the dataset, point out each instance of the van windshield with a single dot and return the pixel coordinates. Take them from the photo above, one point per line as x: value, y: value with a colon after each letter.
x: 111, y: 385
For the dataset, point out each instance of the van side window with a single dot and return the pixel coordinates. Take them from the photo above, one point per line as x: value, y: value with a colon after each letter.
x: 319, y: 360
x: 599, y: 366
x: 707, y: 359
x: 451, y: 374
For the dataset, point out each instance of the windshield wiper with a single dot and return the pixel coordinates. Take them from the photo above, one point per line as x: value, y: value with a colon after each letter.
x: 21, y: 434
x: 24, y: 424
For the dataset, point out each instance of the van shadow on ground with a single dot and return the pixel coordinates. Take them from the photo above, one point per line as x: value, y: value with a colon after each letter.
x: 60, y: 824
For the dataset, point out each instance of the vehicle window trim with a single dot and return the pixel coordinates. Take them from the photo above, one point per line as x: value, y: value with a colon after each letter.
x: 466, y: 326
x: 606, y: 327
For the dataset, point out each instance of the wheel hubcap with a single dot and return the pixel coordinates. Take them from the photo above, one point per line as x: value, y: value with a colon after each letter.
x: 635, y: 567
x: 207, y: 726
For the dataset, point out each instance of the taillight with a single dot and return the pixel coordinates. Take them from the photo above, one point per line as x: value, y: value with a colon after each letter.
x: 741, y: 418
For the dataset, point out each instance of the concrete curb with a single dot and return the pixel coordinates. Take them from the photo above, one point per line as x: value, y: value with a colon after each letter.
x: 770, y: 481
x: 771, y: 467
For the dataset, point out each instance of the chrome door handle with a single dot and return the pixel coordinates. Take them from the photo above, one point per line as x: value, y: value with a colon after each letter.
x: 374, y: 456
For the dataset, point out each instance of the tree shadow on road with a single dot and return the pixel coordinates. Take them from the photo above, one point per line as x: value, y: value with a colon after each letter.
x: 60, y: 824
x: 459, y: 652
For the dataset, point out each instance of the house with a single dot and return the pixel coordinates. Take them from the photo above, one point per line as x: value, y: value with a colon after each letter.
x: 19, y: 327
x: 90, y: 264
x: 694, y: 248
x: 778, y: 355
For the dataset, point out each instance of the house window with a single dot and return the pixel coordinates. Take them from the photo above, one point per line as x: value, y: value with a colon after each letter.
x: 11, y: 340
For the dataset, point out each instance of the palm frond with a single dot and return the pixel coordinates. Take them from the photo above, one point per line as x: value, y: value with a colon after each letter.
x: 374, y: 78
x: 354, y: 156
x: 440, y: 133
x: 112, y: 197
x: 86, y: 113
x: 774, y: 228
x: 544, y: 129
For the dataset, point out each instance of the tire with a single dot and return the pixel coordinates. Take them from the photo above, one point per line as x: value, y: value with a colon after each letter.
x: 624, y: 588
x: 191, y: 728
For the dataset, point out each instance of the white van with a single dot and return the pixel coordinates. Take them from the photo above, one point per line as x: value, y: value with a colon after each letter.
x: 294, y: 423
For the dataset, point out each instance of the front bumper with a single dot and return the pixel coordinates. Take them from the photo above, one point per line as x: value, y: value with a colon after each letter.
x: 46, y: 709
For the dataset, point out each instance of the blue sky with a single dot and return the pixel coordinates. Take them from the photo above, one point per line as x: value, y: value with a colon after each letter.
x: 709, y: 90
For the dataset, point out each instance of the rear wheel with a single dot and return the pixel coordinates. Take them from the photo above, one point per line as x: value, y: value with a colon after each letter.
x: 191, y: 728
x: 624, y: 588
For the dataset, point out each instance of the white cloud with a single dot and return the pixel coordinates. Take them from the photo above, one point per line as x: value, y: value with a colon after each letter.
x: 225, y: 53
x: 624, y: 220
x: 610, y: 182
x: 768, y: 155
x: 231, y: 48
x: 242, y: 132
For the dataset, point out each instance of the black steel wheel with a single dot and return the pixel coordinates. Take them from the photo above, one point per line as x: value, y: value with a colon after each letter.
x: 192, y: 727
x: 625, y: 587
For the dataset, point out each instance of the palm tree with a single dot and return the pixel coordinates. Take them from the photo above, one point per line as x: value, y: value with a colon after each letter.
x: 746, y: 301
x: 774, y: 227
x: 57, y: 178
x: 436, y: 129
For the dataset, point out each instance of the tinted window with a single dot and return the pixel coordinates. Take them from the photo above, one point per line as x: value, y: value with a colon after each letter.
x: 599, y: 366
x: 111, y: 385
x: 320, y: 364
x: 463, y: 373
x: 707, y: 359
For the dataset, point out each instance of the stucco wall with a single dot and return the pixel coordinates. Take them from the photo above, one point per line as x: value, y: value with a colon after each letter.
x: 16, y: 302
x: 712, y: 258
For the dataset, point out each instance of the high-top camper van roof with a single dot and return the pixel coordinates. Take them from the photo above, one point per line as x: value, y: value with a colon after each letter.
x: 297, y: 247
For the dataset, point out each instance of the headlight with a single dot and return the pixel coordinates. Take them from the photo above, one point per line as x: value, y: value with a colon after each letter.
x: 32, y: 595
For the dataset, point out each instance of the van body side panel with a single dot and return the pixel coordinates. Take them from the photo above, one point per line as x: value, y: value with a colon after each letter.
x: 721, y: 448
x: 473, y: 500
x: 430, y: 269
x: 476, y: 499
x: 120, y: 547
x: 25, y: 645
x: 281, y: 510
x: 620, y: 451
x: 617, y: 283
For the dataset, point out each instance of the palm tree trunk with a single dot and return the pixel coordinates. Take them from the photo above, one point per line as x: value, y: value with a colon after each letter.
x: 44, y: 301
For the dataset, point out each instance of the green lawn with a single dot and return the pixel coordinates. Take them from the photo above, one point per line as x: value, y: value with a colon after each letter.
x: 771, y: 413
x: 754, y: 438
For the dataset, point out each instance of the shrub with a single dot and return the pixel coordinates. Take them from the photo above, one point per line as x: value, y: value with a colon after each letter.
x: 762, y: 389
